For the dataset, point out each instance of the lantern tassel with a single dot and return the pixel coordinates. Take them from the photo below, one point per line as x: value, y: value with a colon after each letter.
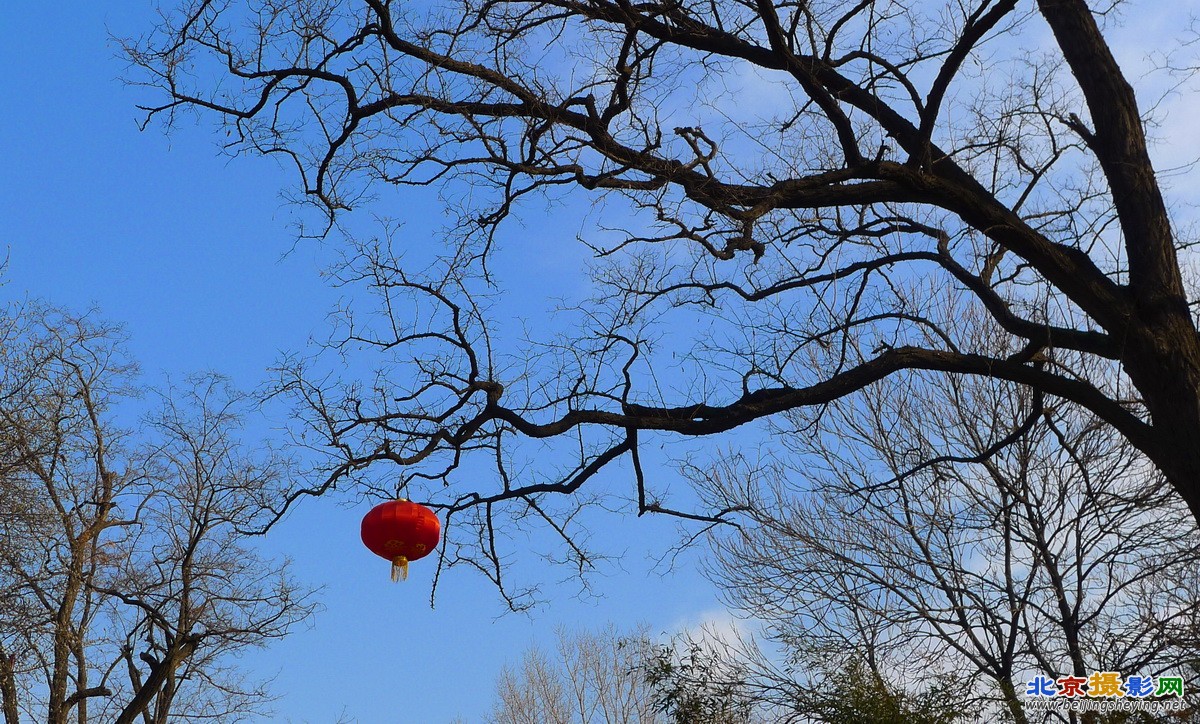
x: 399, y: 569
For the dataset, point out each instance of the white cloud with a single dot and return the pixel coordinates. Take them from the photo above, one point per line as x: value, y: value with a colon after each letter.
x: 718, y: 626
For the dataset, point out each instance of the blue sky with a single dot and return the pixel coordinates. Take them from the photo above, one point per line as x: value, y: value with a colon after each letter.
x: 189, y: 250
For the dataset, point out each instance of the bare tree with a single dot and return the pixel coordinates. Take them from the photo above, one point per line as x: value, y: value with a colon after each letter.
x: 1063, y: 553
x: 700, y: 678
x: 906, y: 165
x: 594, y: 677
x: 62, y: 476
x: 125, y: 579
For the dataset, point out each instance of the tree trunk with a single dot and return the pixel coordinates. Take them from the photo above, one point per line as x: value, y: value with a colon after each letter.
x: 8, y: 688
x: 1163, y: 362
x: 176, y: 655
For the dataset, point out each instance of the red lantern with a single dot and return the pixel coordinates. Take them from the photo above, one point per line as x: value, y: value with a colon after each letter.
x: 400, y: 531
